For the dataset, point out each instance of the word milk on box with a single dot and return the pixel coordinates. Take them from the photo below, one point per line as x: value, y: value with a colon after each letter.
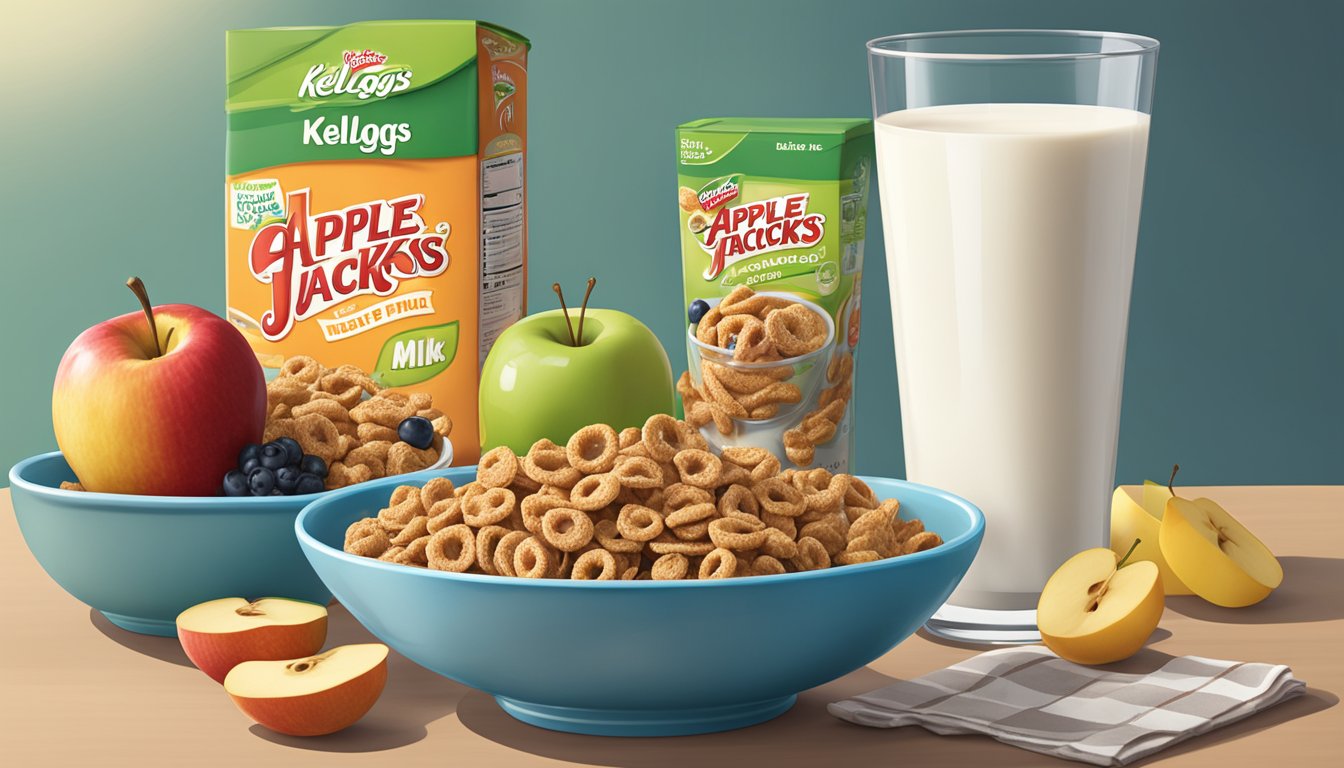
x: 375, y: 200
x: 780, y: 206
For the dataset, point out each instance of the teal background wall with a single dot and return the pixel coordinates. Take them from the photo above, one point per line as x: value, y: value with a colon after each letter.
x: 112, y: 150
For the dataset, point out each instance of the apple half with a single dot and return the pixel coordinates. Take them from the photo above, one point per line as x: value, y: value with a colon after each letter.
x: 1215, y: 555
x: 220, y: 634
x: 1131, y: 519
x: 1092, y: 611
x: 314, y: 695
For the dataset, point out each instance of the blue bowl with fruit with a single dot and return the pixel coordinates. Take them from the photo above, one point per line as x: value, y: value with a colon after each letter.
x: 141, y: 560
x: 643, y: 658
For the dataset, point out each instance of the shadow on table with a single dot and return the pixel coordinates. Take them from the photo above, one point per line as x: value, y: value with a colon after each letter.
x: 805, y: 736
x: 161, y: 648
x: 1310, y: 592
x: 1158, y: 636
x: 1313, y: 701
x: 414, y: 698
x: 808, y: 733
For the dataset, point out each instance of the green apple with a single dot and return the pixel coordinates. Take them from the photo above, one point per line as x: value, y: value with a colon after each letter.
x: 536, y: 383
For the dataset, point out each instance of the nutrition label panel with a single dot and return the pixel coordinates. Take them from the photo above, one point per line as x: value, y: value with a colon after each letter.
x: 502, y: 288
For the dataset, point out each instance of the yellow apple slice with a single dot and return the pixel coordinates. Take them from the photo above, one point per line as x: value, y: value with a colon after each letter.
x: 1093, y: 612
x: 1129, y: 521
x: 1216, y: 556
x: 220, y: 634
x: 1155, y: 497
x: 314, y: 695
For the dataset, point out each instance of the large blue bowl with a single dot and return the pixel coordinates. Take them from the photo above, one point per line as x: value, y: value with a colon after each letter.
x: 141, y: 560
x: 643, y: 658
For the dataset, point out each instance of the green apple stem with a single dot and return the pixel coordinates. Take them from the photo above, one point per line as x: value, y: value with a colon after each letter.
x: 308, y: 664
x: 1132, y: 547
x: 561, y: 293
x: 137, y: 287
x: 592, y: 281
x: 1174, y: 469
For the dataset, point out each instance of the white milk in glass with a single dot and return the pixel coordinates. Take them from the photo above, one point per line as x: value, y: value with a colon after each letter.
x: 1010, y: 233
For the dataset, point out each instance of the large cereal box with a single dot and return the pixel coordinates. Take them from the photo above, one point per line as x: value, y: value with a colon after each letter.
x: 773, y: 214
x: 375, y: 202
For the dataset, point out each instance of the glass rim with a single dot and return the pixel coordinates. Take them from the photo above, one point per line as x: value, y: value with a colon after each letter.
x: 1142, y: 45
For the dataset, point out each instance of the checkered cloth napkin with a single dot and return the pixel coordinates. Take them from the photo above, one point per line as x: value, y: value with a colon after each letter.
x: 1031, y: 698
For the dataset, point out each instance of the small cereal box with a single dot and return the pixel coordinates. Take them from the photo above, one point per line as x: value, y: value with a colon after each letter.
x: 773, y: 214
x: 375, y: 200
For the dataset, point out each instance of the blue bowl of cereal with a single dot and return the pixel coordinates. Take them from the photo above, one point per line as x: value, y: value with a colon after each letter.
x: 702, y: 594
x: 142, y: 560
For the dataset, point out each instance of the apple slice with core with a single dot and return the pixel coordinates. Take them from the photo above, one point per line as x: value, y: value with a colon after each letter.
x: 1215, y: 555
x: 220, y: 634
x: 1097, y: 609
x: 1130, y: 521
x: 314, y: 695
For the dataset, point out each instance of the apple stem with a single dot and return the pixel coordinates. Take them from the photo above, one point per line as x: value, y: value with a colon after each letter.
x: 561, y: 293
x: 137, y: 287
x: 1132, y: 547
x: 1174, y: 469
x: 250, y: 609
x: 592, y: 281
x: 307, y: 665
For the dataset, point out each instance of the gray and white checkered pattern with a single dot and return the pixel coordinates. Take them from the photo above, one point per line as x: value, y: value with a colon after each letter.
x: 1031, y: 698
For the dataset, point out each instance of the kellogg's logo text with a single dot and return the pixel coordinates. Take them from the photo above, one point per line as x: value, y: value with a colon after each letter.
x: 316, y: 262
x: 363, y: 74
x: 761, y: 227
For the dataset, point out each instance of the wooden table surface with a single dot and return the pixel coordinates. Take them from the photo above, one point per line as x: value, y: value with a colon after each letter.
x: 75, y: 690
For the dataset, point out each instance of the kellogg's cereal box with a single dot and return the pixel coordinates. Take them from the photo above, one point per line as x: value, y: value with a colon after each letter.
x: 375, y: 200
x: 773, y: 214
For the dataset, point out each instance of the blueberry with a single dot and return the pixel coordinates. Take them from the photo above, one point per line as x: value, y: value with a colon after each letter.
x: 309, y: 483
x: 286, y: 478
x: 313, y: 465
x: 293, y: 451
x: 416, y: 431
x: 277, y: 492
x: 697, y: 310
x: 261, y: 481
x: 250, y: 464
x: 235, y: 484
x: 250, y: 451
x: 273, y: 456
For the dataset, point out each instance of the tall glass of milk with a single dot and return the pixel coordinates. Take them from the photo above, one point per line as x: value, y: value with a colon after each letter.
x: 1010, y: 169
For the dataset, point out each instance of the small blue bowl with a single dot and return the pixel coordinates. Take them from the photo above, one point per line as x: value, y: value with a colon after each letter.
x: 142, y: 560
x: 643, y: 658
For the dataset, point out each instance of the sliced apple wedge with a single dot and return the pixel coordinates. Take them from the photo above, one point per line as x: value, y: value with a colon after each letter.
x: 1098, y: 608
x: 1130, y: 521
x: 1216, y: 556
x: 314, y: 695
x: 220, y: 634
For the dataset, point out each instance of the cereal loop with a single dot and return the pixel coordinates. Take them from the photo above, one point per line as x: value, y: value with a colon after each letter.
x: 595, y: 565
x: 568, y: 530
x: 488, y: 508
x: 452, y: 549
x: 497, y: 468
x: 639, y: 523
x: 532, y: 559
x: 594, y: 492
x: 670, y: 567
x: 718, y: 564
x: 698, y: 468
x: 592, y: 450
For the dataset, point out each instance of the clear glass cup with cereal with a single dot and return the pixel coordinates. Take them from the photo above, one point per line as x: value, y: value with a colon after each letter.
x: 744, y: 388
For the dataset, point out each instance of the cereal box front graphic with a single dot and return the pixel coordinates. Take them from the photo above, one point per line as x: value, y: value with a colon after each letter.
x: 376, y: 203
x: 773, y: 217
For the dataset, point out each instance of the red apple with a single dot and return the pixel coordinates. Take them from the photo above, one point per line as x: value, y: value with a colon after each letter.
x: 311, y: 696
x: 162, y: 412
x: 220, y: 634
